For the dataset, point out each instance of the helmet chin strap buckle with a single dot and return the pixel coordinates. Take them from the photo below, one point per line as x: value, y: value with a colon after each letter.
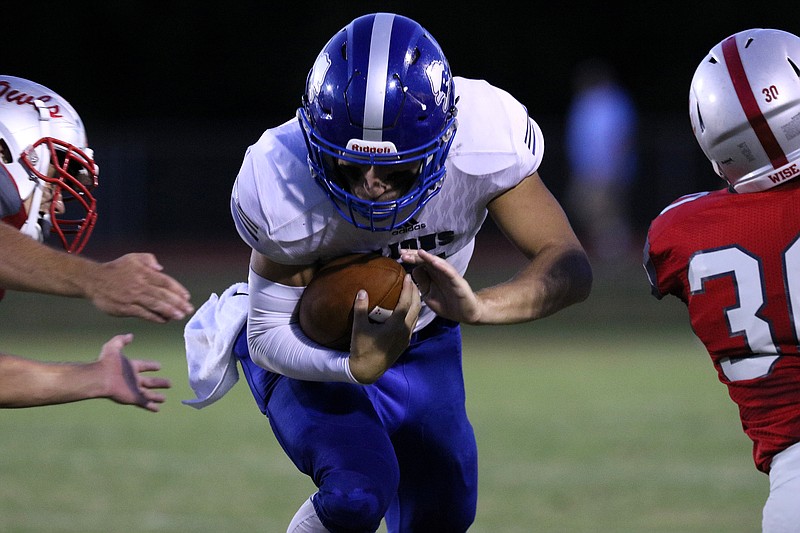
x: 43, y: 165
x: 32, y: 228
x: 41, y: 158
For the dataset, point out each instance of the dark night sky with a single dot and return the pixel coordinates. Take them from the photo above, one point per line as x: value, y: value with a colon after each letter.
x: 179, y: 59
x: 173, y: 92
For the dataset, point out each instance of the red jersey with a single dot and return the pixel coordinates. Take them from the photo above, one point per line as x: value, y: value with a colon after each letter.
x: 734, y: 260
x: 11, y: 209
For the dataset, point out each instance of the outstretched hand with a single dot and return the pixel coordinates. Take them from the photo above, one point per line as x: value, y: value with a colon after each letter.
x: 125, y: 382
x: 374, y: 347
x: 442, y: 288
x: 134, y: 286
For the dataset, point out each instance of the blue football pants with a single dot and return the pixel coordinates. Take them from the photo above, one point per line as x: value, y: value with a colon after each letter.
x: 400, y: 449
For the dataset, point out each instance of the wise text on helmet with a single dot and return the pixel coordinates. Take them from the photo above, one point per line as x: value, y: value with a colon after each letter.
x: 784, y: 174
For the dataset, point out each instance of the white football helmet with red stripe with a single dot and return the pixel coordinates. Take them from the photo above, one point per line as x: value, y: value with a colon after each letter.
x: 744, y: 105
x: 44, y: 148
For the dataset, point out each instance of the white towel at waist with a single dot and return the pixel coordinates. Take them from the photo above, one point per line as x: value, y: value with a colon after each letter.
x: 209, y: 337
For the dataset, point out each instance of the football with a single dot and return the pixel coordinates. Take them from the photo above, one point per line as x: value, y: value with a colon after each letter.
x: 326, y: 306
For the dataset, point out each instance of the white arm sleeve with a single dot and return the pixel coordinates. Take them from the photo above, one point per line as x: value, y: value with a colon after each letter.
x: 276, y: 341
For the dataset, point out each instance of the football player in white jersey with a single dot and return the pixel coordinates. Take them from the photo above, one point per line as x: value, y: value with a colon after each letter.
x: 47, y: 175
x: 388, y: 153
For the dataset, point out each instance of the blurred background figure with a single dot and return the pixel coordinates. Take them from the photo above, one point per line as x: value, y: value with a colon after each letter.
x: 600, y: 144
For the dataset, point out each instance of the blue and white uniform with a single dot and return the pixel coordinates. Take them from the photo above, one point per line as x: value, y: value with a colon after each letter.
x: 402, y: 447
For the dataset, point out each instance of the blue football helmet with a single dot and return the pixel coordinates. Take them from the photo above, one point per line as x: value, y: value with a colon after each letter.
x: 379, y: 93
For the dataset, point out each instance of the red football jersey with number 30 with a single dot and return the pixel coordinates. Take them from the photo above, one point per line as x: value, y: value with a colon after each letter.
x: 734, y: 259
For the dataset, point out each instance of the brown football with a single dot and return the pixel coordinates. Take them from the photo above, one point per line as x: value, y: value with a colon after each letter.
x: 326, y: 307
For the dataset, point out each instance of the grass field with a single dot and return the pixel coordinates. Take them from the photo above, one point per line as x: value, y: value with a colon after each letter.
x: 607, y: 417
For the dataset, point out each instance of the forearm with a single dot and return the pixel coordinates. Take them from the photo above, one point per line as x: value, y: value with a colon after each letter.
x: 30, y: 383
x: 553, y: 280
x: 276, y: 342
x: 28, y: 265
x: 286, y: 350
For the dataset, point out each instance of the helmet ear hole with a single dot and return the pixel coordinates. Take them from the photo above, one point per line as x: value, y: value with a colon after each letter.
x: 794, y: 66
x: 5, y: 152
x: 700, y: 119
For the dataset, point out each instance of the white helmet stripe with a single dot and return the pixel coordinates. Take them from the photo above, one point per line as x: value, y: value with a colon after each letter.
x: 376, y: 77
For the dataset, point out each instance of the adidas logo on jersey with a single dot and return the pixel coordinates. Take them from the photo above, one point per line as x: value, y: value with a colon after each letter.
x: 411, y: 225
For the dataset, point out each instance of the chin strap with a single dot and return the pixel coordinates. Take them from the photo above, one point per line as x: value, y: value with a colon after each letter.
x: 44, y: 129
x: 31, y: 227
x: 36, y: 224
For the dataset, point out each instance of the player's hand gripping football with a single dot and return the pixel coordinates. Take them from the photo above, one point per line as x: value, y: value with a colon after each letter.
x: 374, y: 347
x: 445, y: 291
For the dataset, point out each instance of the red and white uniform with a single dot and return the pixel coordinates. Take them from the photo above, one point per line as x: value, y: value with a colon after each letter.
x: 734, y: 260
x: 12, y: 211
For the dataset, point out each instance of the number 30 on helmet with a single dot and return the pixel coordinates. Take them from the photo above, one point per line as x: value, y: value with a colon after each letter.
x: 744, y: 105
x: 380, y: 93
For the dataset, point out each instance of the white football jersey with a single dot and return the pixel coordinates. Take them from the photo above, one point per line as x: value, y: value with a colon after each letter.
x: 281, y: 212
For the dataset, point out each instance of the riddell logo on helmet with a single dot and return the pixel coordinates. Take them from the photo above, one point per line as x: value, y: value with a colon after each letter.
x: 371, y: 147
x: 784, y: 173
